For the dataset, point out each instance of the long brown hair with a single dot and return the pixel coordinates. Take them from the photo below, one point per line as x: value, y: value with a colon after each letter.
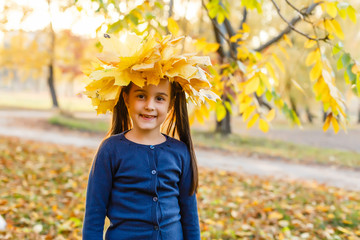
x: 176, y: 124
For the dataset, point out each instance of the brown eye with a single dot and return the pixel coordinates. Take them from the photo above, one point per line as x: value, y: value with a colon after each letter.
x: 141, y: 96
x: 160, y: 98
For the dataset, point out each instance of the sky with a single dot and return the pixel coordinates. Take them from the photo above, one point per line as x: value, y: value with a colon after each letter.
x: 84, y: 22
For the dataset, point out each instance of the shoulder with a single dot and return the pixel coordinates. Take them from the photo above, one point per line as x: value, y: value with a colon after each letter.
x: 111, y: 143
x: 178, y: 146
x: 175, y: 142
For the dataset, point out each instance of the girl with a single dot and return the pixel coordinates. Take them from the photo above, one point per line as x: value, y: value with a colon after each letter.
x: 144, y: 181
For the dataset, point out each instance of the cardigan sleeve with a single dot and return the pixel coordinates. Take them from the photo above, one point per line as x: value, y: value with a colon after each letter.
x: 188, y: 204
x: 97, y: 195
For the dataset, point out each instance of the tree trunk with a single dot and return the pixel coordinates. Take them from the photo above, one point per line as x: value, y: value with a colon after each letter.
x: 293, y: 105
x: 224, y: 126
x: 51, y: 64
x: 51, y: 86
x: 171, y: 6
x: 309, y: 115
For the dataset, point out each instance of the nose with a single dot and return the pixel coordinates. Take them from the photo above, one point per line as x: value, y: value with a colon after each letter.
x: 149, y: 105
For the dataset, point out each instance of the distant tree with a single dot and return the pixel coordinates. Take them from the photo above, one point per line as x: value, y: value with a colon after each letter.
x: 250, y: 72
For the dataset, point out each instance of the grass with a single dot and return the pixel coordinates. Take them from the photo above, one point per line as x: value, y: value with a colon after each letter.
x: 277, y: 149
x: 80, y: 124
x: 249, y: 146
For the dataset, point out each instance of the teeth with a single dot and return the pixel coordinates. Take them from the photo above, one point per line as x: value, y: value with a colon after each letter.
x: 147, y: 116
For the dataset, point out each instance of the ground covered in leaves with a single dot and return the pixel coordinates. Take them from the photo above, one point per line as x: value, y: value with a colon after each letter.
x: 43, y: 186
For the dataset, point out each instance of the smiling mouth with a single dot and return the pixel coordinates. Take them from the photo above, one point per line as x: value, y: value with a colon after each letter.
x: 147, y: 116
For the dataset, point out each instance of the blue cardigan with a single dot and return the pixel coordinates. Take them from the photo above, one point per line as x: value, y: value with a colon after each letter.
x: 143, y: 190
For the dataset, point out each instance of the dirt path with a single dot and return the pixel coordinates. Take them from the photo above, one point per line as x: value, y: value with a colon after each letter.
x: 314, y: 137
x: 349, y: 141
x: 21, y: 124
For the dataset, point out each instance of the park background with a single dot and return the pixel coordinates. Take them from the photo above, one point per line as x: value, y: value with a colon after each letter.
x: 279, y: 157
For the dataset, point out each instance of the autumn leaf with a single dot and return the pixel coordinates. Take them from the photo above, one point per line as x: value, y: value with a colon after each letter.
x: 173, y: 26
x: 227, y: 200
x: 252, y: 85
x: 331, y: 9
x: 253, y: 120
x: 287, y: 40
x: 263, y: 125
x: 271, y: 115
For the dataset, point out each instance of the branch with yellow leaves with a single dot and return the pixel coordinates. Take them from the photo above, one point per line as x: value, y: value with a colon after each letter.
x: 218, y: 30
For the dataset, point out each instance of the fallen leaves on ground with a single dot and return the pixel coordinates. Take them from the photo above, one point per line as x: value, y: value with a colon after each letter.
x: 43, y: 186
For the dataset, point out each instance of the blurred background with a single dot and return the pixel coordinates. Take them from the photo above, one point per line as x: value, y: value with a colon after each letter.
x: 287, y: 72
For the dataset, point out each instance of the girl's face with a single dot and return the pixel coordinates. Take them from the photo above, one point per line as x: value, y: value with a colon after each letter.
x: 149, y: 105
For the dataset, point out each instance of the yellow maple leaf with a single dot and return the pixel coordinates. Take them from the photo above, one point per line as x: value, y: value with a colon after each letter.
x: 271, y: 115
x: 287, y: 40
x: 173, y: 26
x: 327, y: 122
x: 331, y: 9
x: 309, y: 43
x: 253, y: 120
x: 249, y: 110
x: 278, y: 62
x: 252, y: 85
x: 335, y: 125
x: 263, y: 125
x: 315, y: 72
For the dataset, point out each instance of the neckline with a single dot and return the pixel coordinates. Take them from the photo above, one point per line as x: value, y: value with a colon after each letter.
x: 145, y: 145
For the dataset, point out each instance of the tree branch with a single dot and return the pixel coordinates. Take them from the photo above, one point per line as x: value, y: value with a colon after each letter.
x: 293, y: 7
x: 218, y: 30
x: 244, y: 18
x: 290, y: 27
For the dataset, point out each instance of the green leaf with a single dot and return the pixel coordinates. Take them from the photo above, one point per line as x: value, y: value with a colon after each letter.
x: 159, y: 5
x: 358, y: 85
x: 346, y: 77
x: 336, y: 49
x: 339, y: 64
x: 345, y: 59
x: 149, y: 16
x: 352, y: 76
x: 116, y: 26
x: 268, y: 96
x: 133, y: 19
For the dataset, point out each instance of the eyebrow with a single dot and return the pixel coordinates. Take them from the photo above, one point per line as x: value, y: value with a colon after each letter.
x: 158, y: 93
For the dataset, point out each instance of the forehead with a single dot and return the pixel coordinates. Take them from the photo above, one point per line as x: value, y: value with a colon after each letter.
x: 164, y: 86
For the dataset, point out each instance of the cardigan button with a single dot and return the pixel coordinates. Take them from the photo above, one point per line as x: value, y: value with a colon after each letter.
x: 152, y: 147
x: 155, y: 199
x: 153, y: 172
x: 156, y: 227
